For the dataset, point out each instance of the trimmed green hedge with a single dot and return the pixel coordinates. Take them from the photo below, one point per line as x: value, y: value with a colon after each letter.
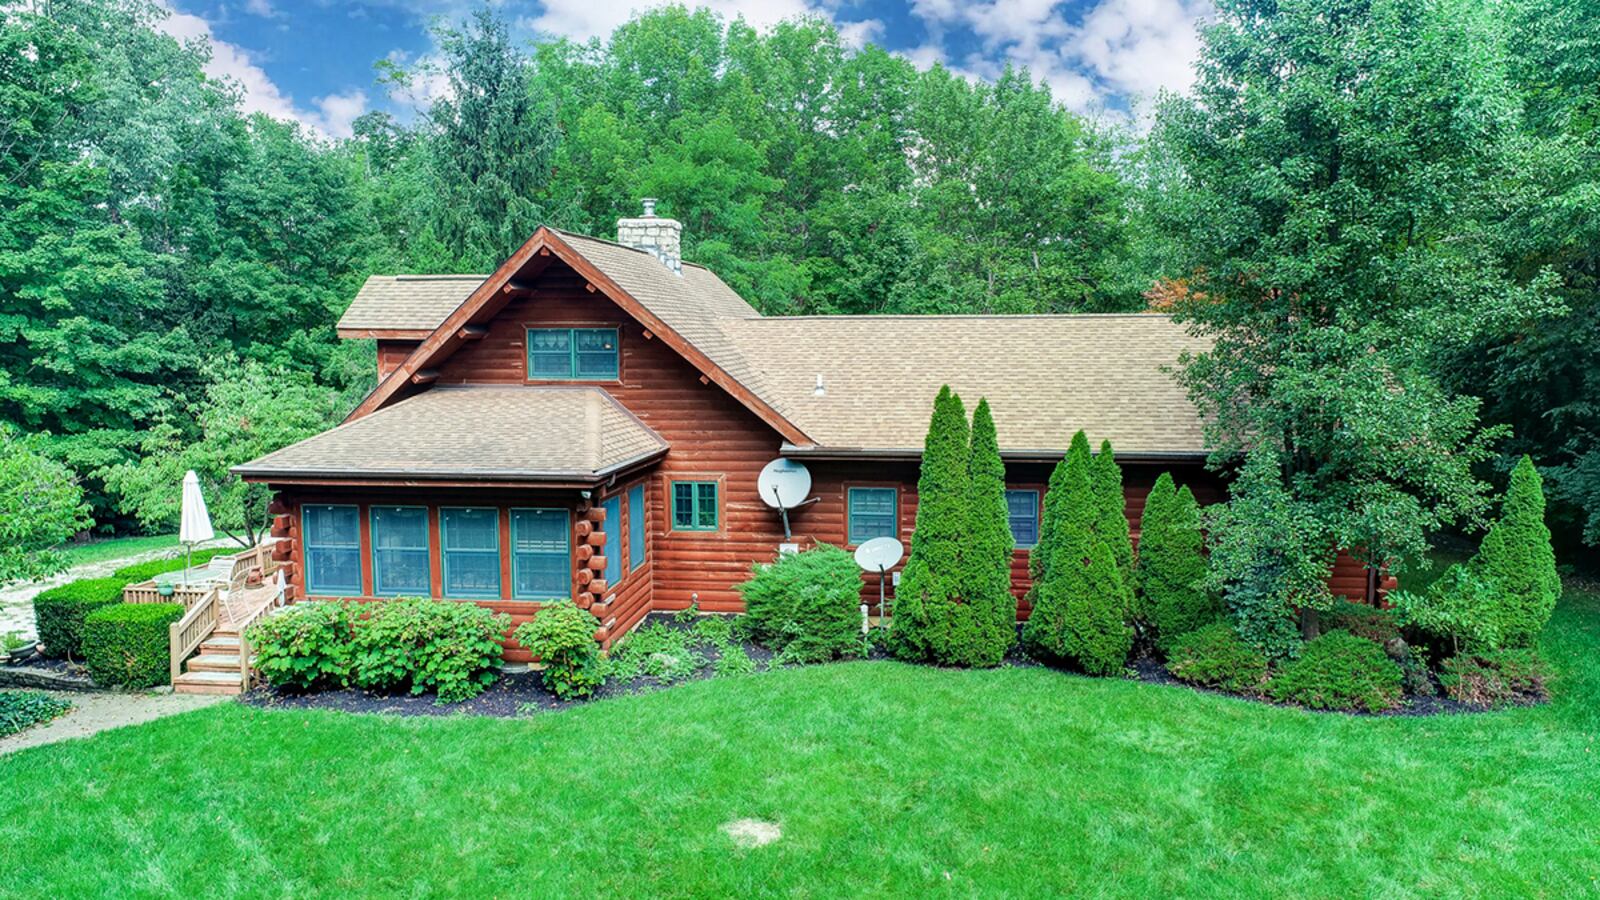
x: 127, y: 644
x: 59, y: 613
x: 147, y: 570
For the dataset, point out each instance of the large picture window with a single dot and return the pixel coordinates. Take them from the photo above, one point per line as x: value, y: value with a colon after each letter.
x: 400, y: 551
x: 333, y: 549
x: 694, y: 506
x: 613, y: 549
x: 471, y: 551
x: 572, y: 354
x: 873, y: 512
x: 541, y: 554
x: 1022, y: 507
x: 636, y: 524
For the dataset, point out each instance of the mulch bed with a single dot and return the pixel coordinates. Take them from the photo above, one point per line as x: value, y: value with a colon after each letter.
x: 519, y: 692
x: 46, y: 674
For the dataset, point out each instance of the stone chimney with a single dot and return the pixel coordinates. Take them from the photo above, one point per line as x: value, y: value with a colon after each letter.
x: 663, y: 237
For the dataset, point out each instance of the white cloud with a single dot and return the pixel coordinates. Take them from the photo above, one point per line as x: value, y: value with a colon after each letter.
x: 258, y: 93
x: 585, y: 19
x: 262, y: 8
x: 1142, y: 46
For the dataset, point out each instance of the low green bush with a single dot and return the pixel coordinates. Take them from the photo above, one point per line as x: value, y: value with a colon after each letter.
x: 806, y: 606
x: 58, y: 613
x: 128, y: 644
x: 1340, y: 671
x: 1216, y: 656
x: 658, y: 651
x: 419, y: 644
x: 1361, y: 620
x: 306, y: 646
x: 149, y: 569
x: 1495, y: 678
x: 20, y: 709
x: 561, y: 636
x: 732, y: 660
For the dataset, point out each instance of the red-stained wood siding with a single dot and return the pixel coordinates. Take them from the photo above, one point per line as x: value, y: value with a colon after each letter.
x: 391, y: 354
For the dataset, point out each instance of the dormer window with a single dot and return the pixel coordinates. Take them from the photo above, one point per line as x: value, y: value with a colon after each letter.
x: 572, y: 354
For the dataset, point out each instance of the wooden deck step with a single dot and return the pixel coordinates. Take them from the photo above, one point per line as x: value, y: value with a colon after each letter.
x: 208, y: 683
x: 214, y: 662
x: 220, y: 644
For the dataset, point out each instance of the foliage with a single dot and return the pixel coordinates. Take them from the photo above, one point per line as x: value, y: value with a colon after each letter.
x: 421, y: 644
x: 41, y: 506
x: 1111, y: 515
x: 58, y: 613
x: 1458, y: 607
x: 129, y: 644
x: 991, y: 609
x: 561, y: 637
x: 12, y: 640
x: 1215, y: 656
x: 1269, y: 557
x: 1371, y: 622
x: 658, y: 651
x: 806, y: 606
x: 21, y: 709
x: 248, y: 411
x: 929, y: 624
x: 306, y: 646
x: 1496, y: 678
x: 1339, y: 671
x: 732, y: 661
x: 1171, y: 573
x: 1079, y: 618
x: 137, y: 572
x: 1517, y: 558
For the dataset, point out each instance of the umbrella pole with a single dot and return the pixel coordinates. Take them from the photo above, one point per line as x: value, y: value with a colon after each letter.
x: 188, y: 555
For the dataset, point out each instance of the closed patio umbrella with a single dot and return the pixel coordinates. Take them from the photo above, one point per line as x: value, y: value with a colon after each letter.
x: 195, y: 523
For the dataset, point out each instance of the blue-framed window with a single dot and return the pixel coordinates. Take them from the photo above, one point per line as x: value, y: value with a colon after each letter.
x: 1022, y: 507
x: 694, y: 506
x: 636, y: 523
x: 613, y: 548
x: 470, y: 547
x: 574, y: 354
x: 400, y: 551
x: 541, y: 554
x: 333, y: 549
x: 873, y: 512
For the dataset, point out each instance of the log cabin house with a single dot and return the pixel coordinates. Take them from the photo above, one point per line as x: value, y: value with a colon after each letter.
x: 588, y: 423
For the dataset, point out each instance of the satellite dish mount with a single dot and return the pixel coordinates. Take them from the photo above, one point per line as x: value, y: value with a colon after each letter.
x: 785, y: 484
x: 880, y: 555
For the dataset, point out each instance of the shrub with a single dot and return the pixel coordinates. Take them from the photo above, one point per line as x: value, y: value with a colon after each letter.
x: 128, y: 644
x: 561, y: 636
x: 927, y: 623
x: 1172, y: 565
x: 1495, y: 678
x: 1080, y: 613
x: 1458, y: 608
x: 445, y: 646
x: 1362, y: 620
x: 20, y: 709
x: 1340, y: 671
x: 1517, y: 558
x: 306, y: 646
x: 1111, y: 510
x: 806, y: 606
x: 985, y: 624
x: 149, y: 569
x: 1216, y: 656
x: 667, y: 654
x: 732, y: 660
x: 58, y: 613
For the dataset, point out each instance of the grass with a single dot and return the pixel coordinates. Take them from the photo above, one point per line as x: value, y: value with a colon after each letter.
x: 885, y: 778
x: 117, y: 548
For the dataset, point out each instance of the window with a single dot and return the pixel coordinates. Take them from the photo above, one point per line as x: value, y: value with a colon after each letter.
x: 613, y: 549
x: 588, y: 354
x: 471, y: 539
x: 873, y: 513
x: 400, y: 551
x: 1023, y: 509
x: 333, y: 549
x: 636, y: 523
x: 694, y: 506
x: 541, y: 554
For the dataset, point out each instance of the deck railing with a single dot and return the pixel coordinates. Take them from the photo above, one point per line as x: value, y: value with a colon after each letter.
x: 189, y: 632
x: 150, y: 592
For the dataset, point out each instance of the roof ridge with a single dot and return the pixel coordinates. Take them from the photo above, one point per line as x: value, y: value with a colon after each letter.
x: 854, y: 317
x: 600, y: 240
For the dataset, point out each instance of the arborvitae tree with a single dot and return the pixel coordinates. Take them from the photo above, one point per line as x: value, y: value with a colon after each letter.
x: 990, y: 608
x: 1053, y: 520
x: 1111, y: 519
x: 1078, y: 619
x: 1516, y: 555
x: 931, y: 585
x: 1172, y: 566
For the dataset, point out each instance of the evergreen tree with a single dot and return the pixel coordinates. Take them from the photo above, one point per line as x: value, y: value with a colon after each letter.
x: 1516, y: 556
x: 931, y: 585
x: 1111, y: 510
x: 1172, y: 566
x: 1053, y: 521
x: 990, y: 608
x: 1078, y: 619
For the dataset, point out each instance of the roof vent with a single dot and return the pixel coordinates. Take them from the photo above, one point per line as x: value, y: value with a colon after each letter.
x: 661, y: 237
x: 820, y: 390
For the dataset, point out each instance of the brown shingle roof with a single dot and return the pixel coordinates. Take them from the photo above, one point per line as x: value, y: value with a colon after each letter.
x: 476, y: 432
x: 1045, y: 377
x: 406, y: 302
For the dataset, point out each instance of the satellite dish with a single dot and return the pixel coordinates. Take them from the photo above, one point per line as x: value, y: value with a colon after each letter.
x: 784, y: 483
x: 880, y: 554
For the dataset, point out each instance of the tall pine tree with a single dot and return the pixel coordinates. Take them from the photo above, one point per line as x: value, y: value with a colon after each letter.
x: 1517, y: 557
x: 990, y: 609
x: 1172, y: 566
x: 930, y: 587
x: 1111, y: 510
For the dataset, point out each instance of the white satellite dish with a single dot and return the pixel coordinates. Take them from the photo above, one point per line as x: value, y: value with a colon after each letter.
x: 880, y: 555
x: 783, y: 485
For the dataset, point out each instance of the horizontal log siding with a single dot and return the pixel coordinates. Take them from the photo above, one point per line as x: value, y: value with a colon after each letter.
x: 391, y: 354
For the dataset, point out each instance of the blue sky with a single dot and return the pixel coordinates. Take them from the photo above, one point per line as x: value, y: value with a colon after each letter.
x: 312, y: 60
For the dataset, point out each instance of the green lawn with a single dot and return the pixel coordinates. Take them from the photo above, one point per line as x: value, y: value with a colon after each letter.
x: 117, y: 548
x: 886, y: 779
